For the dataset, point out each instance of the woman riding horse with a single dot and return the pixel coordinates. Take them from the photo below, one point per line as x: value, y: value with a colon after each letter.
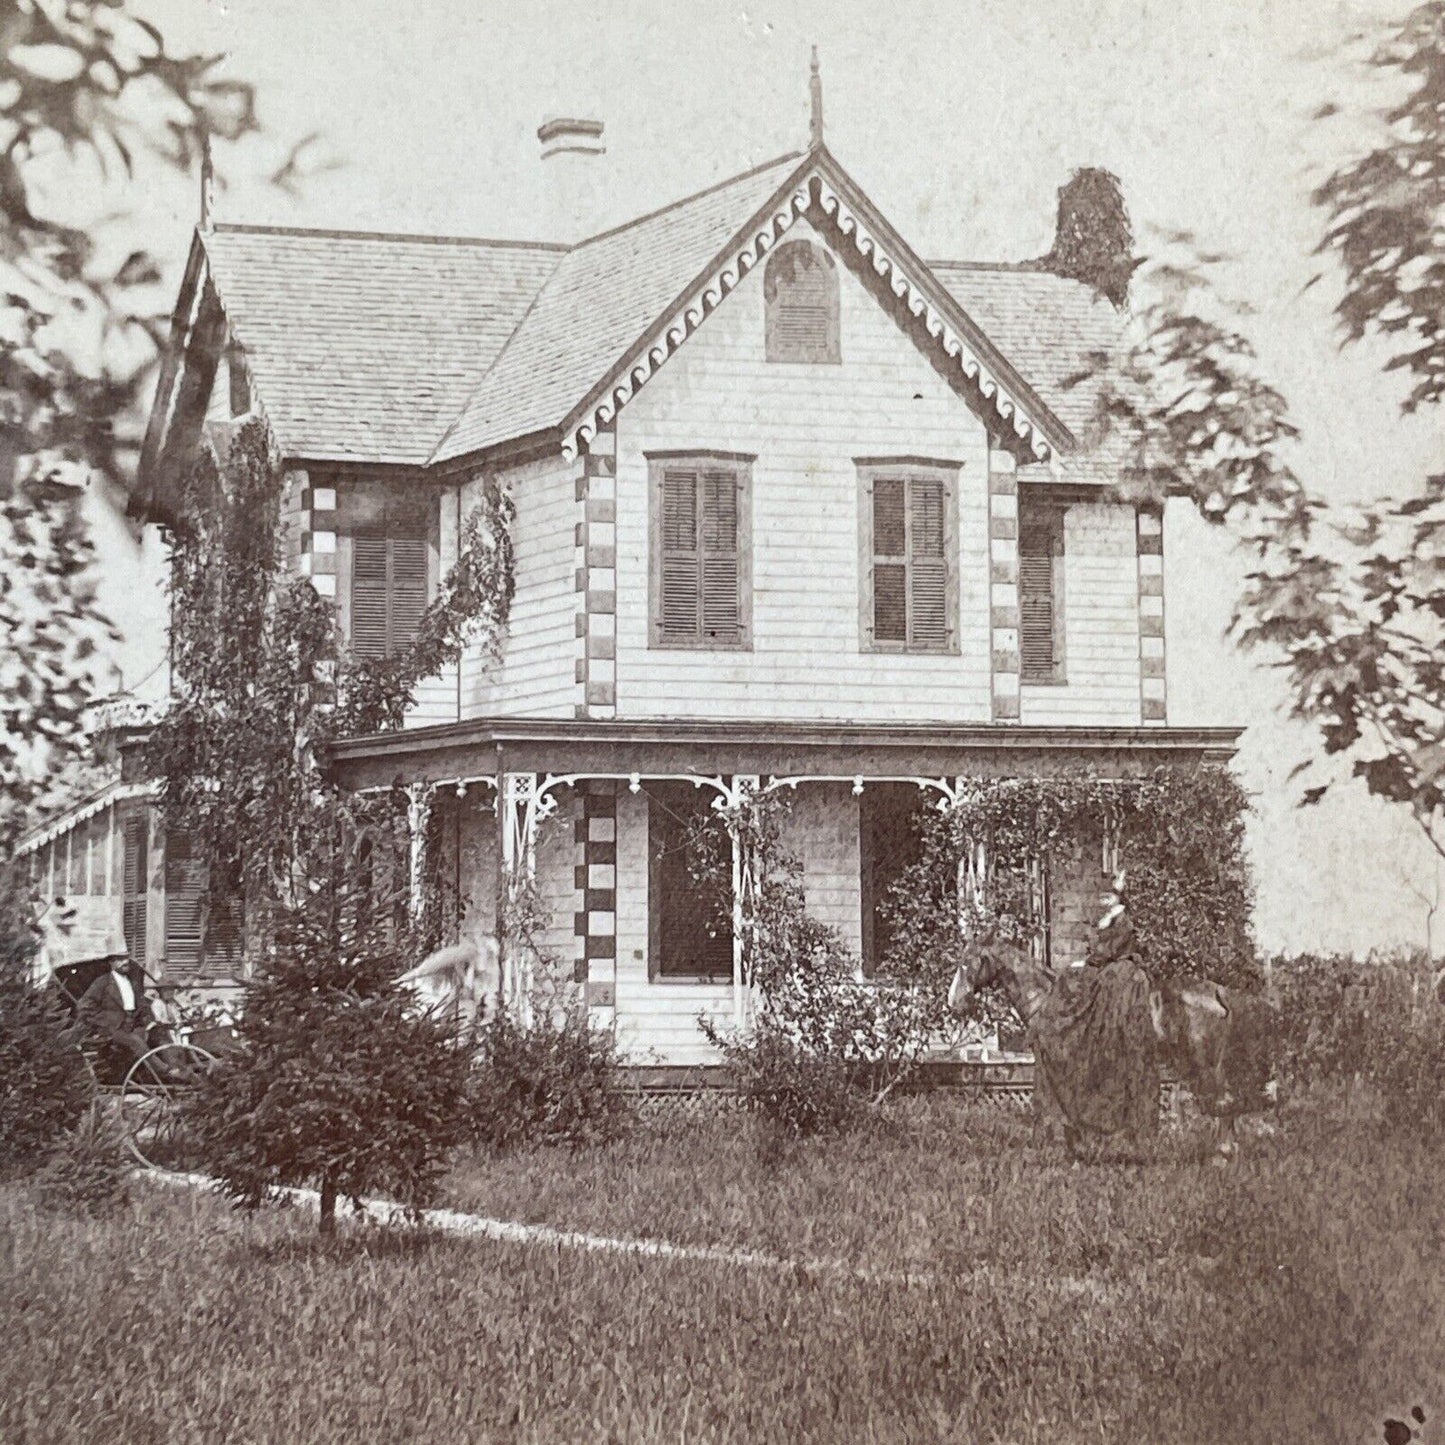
x: 1090, y: 1028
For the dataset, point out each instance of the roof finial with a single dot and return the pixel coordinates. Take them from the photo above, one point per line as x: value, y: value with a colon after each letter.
x: 208, y: 179
x: 815, y: 93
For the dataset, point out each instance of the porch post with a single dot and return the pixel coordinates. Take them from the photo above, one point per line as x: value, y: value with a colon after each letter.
x: 745, y: 884
x: 518, y: 825
x: 418, y: 815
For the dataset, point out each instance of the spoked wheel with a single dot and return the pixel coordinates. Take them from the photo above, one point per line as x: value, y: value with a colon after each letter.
x: 150, y: 1102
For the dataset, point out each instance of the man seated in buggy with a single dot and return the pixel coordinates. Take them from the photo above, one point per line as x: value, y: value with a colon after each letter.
x: 113, y: 1014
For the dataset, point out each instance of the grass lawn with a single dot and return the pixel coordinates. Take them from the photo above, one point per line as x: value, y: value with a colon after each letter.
x: 1299, y: 1295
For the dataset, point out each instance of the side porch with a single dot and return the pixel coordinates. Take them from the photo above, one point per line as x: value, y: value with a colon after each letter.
x: 583, y: 830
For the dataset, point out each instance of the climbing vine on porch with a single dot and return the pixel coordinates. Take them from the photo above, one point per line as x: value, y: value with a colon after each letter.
x: 1178, y: 836
x: 263, y: 683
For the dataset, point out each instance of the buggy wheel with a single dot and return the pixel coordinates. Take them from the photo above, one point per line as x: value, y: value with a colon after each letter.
x: 150, y: 1105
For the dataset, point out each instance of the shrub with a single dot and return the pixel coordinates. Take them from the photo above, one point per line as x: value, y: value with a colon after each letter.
x: 89, y: 1170
x: 44, y: 1083
x: 340, y: 1081
x: 1408, y: 1072
x: 554, y: 1080
x: 798, y: 1092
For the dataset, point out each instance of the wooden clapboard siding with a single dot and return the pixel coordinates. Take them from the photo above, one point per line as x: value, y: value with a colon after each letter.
x: 537, y: 674
x: 822, y: 831
x: 1101, y: 624
x: 807, y: 425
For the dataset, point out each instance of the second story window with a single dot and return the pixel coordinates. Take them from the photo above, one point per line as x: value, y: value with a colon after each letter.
x: 909, y: 546
x: 390, y: 554
x: 800, y: 291
x: 701, y: 551
x: 1041, y: 592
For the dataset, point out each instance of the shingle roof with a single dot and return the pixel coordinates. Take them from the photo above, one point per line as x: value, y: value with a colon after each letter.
x: 621, y: 282
x: 409, y: 349
x: 1049, y: 327
x: 366, y: 346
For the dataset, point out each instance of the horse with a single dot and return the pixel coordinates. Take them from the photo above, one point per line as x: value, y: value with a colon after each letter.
x: 462, y: 981
x: 1095, y: 1074
x: 1216, y: 1039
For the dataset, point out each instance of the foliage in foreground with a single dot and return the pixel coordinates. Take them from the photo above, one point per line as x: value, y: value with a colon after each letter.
x: 1287, y: 1298
x: 44, y: 1084
x: 341, y: 1083
x: 551, y: 1081
x: 89, y: 1171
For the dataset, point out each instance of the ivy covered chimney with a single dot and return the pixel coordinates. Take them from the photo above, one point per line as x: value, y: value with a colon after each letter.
x: 1093, y: 240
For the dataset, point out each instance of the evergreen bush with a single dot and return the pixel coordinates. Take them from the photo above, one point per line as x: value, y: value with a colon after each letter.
x: 89, y: 1170
x: 341, y: 1082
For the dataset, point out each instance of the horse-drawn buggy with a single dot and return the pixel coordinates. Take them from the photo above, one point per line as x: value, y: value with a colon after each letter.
x: 142, y: 1059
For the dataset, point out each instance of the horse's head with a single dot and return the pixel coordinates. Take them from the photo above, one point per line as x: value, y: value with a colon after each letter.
x: 987, y: 959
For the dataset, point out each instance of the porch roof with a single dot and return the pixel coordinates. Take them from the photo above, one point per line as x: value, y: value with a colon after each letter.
x: 484, y: 747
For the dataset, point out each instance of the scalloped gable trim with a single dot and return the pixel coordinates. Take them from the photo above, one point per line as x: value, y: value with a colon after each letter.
x: 1015, y: 406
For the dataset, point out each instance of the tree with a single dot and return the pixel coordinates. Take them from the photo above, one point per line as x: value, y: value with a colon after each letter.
x: 84, y: 87
x: 1350, y: 605
x: 341, y: 1082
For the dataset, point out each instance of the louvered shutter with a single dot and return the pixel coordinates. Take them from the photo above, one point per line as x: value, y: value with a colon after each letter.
x: 890, y: 560
x: 388, y: 593
x: 1037, y: 544
x: 368, y: 596
x: 690, y: 938
x: 75, y: 871
x: 681, y: 605
x: 801, y: 297
x: 135, y: 873
x: 185, y: 896
x: 928, y: 566
x: 721, y: 620
x: 407, y: 591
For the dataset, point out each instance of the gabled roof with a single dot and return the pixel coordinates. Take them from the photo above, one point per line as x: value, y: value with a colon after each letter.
x: 413, y: 350
x: 603, y: 295
x: 366, y: 346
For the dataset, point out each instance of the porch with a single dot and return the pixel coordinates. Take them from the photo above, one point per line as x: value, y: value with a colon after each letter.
x: 590, y: 820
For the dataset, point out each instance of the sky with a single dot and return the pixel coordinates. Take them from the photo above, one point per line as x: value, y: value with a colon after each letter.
x: 960, y: 118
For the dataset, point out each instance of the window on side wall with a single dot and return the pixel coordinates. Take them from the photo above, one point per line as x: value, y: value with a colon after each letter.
x: 800, y: 299
x: 390, y: 544
x: 701, y: 575
x: 909, y: 548
x: 1041, y: 592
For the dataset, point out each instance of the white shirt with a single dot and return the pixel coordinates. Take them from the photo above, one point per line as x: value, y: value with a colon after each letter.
x: 127, y: 990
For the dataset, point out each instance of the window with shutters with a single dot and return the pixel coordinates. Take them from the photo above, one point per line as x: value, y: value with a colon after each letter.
x: 390, y: 542
x: 800, y: 299
x: 909, y: 547
x: 203, y: 935
x: 1041, y: 593
x: 135, y: 874
x: 690, y: 932
x: 701, y: 580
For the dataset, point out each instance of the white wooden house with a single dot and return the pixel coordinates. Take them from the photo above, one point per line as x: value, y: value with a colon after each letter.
x: 793, y: 506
